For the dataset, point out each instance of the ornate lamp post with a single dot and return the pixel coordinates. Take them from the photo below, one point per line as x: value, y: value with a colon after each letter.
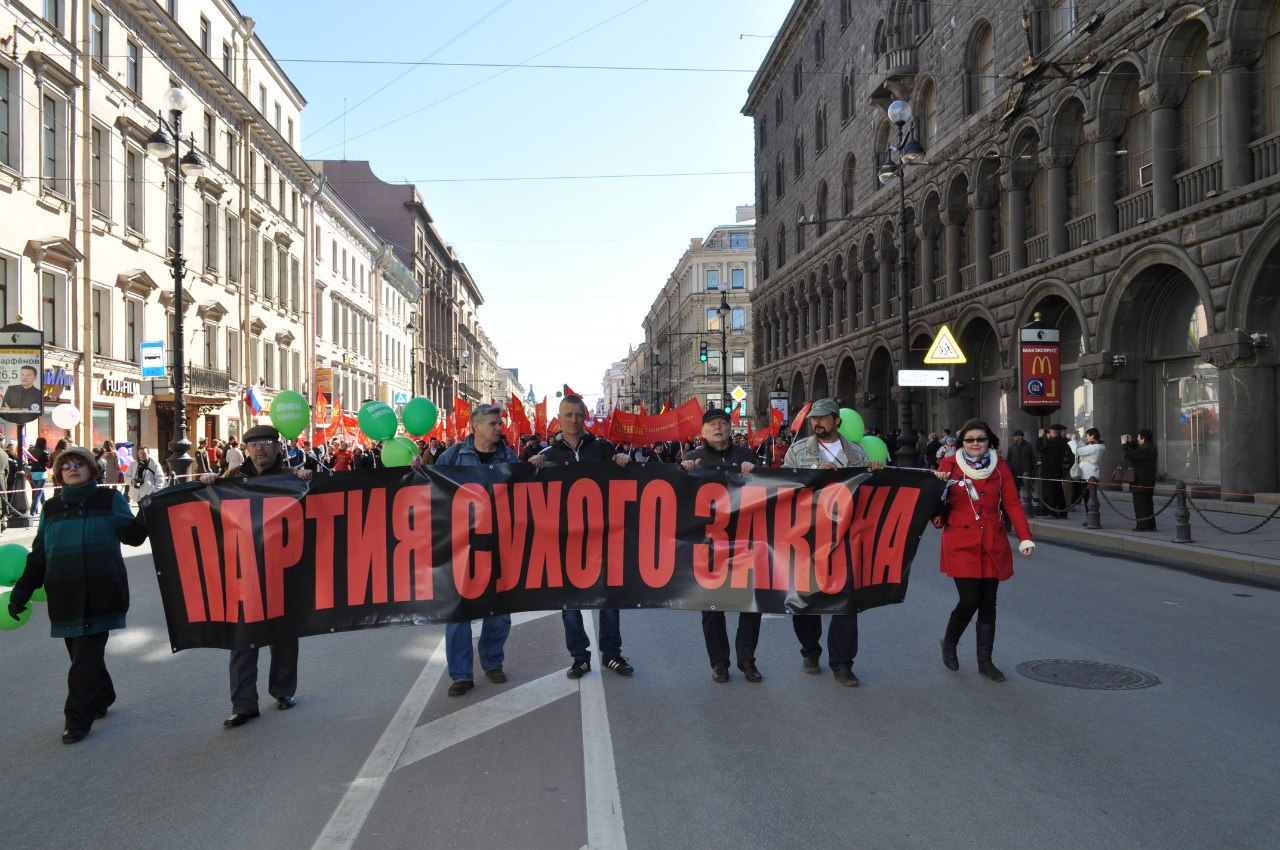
x: 723, y: 311
x: 163, y: 144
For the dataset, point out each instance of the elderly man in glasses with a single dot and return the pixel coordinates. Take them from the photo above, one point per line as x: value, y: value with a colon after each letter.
x: 264, y: 457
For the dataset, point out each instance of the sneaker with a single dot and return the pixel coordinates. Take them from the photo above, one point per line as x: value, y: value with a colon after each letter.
x: 578, y: 669
x: 844, y: 675
x: 496, y: 676
x: 810, y: 665
x: 619, y: 665
x: 460, y: 688
x: 720, y: 673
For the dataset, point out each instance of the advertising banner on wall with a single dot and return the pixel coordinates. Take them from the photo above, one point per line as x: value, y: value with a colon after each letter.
x: 1039, y: 370
x: 21, y: 373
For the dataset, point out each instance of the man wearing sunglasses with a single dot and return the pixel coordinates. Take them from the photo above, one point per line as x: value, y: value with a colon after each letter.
x: 264, y: 456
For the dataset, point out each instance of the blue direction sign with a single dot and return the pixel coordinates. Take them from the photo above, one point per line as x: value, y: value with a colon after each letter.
x: 152, y: 359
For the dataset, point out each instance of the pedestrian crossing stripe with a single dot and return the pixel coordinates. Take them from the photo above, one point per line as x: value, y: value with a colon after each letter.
x: 944, y: 349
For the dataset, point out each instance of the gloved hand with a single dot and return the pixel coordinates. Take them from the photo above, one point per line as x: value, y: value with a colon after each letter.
x: 1026, y: 547
x: 15, y: 609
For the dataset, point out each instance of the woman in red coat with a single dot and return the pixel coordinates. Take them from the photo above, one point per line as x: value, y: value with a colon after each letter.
x: 975, y: 548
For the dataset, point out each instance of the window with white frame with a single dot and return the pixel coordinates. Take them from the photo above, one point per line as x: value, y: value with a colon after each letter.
x: 133, y: 330
x: 282, y: 271
x: 9, y: 112
x: 277, y: 116
x: 210, y: 345
x: 713, y: 278
x: 98, y: 35
x: 255, y: 365
x: 713, y: 362
x: 233, y: 246
x: 100, y: 170
x: 268, y: 265
x: 233, y: 354
x: 133, y: 189
x: 251, y: 267
x: 206, y: 36
x: 1062, y: 15
x: 262, y: 100
x: 133, y: 66
x: 738, y: 278
x: 738, y: 362
x: 269, y: 364
x: 713, y: 401
x: 53, y: 10
x: 210, y: 136
x: 8, y: 275
x: 319, y: 312
x: 53, y: 300
x: 228, y: 60
x: 232, y: 169
x: 210, y: 236
x: 100, y: 308
x: 53, y: 144
x: 738, y: 318
x: 295, y: 285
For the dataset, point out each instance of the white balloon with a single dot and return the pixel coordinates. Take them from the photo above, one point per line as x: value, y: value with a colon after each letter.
x: 66, y: 416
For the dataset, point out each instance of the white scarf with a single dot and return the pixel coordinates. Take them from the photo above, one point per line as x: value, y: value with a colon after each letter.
x: 978, y: 474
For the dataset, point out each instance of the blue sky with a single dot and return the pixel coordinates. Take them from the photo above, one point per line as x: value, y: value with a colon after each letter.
x: 568, y: 267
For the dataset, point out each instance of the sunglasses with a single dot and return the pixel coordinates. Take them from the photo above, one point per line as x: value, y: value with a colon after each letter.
x: 75, y: 464
x: 260, y: 444
x: 975, y: 439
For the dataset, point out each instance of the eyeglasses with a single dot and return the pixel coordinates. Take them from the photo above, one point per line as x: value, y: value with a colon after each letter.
x: 75, y: 464
x: 975, y: 439
x: 260, y: 444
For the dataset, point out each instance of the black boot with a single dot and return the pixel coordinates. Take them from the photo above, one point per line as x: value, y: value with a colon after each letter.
x: 986, y: 642
x: 955, y: 628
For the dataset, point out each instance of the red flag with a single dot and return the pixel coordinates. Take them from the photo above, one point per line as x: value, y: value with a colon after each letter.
x: 735, y: 419
x: 800, y: 417
x: 663, y: 426
x: 775, y: 421
x: 626, y: 428
x: 462, y: 411
x: 600, y: 426
x: 643, y: 412
x: 519, y: 421
x: 322, y: 401
x: 689, y: 417
x: 540, y: 417
x: 568, y: 390
x: 756, y: 438
x: 553, y: 427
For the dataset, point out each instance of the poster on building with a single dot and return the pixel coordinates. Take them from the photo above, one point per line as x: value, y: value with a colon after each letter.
x: 21, y: 371
x: 1040, y: 370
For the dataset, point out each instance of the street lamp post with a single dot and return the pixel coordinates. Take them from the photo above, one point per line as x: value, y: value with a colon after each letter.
x: 906, y: 152
x: 165, y: 142
x: 412, y: 330
x: 724, y: 311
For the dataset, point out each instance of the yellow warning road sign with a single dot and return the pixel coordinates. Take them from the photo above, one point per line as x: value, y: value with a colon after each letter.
x: 945, y: 349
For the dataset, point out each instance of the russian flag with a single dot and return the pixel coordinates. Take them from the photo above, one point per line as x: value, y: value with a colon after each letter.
x: 254, y: 401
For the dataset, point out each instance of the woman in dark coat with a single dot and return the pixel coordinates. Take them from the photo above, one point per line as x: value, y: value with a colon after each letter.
x: 975, y: 547
x: 76, y: 558
x: 38, y: 467
x: 1142, y: 457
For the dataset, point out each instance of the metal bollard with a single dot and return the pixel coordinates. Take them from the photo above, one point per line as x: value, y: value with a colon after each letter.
x: 1181, y: 515
x: 1092, y: 510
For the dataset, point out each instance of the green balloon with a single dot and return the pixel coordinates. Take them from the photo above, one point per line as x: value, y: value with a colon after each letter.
x: 875, y: 448
x: 377, y: 420
x: 419, y: 416
x: 290, y: 413
x: 39, y: 595
x: 851, y: 427
x: 395, y: 454
x: 7, y: 623
x: 13, y: 560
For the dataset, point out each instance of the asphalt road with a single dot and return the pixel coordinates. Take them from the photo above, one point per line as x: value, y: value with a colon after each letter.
x: 377, y: 756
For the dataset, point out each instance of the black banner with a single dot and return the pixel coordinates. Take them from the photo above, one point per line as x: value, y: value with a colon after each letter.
x: 249, y: 561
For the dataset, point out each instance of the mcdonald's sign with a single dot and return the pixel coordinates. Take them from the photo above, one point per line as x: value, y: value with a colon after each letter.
x: 1040, y: 373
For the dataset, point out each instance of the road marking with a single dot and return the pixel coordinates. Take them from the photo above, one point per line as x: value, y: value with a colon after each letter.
x: 348, y: 818
x: 480, y: 718
x: 605, y: 829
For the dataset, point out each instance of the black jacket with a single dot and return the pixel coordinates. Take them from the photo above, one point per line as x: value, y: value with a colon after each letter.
x: 1143, y: 460
x: 731, y: 458
x: 590, y: 448
x: 1053, y: 456
x: 1021, y: 457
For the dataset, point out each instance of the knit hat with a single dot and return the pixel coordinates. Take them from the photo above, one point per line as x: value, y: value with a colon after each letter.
x: 81, y: 452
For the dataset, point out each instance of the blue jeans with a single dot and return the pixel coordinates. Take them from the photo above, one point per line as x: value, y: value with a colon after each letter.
x: 37, y: 496
x: 575, y: 636
x: 457, y: 646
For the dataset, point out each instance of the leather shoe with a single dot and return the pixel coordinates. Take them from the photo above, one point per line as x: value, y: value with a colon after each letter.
x: 496, y: 676
x: 73, y: 736
x: 101, y: 713
x: 286, y: 703
x: 811, y: 665
x: 239, y: 718
x: 461, y: 687
x: 749, y: 671
x: 844, y: 675
x: 720, y: 673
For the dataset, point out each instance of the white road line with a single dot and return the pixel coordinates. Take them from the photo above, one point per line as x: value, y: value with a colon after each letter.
x: 604, y: 803
x: 488, y: 714
x: 348, y: 818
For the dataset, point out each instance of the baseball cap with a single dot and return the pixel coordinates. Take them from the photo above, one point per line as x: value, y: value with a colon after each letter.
x: 713, y: 414
x: 824, y: 407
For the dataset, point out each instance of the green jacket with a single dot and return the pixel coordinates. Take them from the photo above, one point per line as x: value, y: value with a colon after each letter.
x: 76, y: 556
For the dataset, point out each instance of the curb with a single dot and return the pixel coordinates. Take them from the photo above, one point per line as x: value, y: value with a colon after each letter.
x: 1120, y: 542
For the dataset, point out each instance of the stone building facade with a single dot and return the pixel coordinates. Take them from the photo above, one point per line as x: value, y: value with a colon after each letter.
x: 1112, y: 166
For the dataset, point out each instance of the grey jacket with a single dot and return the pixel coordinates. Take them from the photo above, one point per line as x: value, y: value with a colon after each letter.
x: 805, y: 454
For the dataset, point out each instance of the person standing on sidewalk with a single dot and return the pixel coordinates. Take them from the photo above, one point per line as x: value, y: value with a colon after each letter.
x: 574, y: 444
x: 1142, y: 457
x: 975, y: 548
x: 76, y: 557
x: 38, y: 469
x: 484, y: 446
x: 721, y: 453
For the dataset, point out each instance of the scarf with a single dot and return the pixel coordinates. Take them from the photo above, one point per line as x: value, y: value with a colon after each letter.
x: 77, y: 495
x: 980, y: 468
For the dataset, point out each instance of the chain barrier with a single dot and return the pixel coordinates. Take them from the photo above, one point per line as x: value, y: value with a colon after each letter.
x: 1217, y: 527
x: 1172, y: 498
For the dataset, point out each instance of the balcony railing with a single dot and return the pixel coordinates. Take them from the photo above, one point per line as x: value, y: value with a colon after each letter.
x: 202, y: 379
x: 1037, y: 249
x: 968, y: 276
x: 1134, y: 209
x: 901, y: 61
x: 1000, y: 263
x: 1266, y: 157
x: 1196, y: 184
x: 1080, y: 231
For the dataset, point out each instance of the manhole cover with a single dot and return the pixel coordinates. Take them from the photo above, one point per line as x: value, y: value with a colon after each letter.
x: 1092, y: 675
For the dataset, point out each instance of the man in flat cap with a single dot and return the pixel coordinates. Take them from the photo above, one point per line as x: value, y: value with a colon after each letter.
x: 827, y: 449
x: 264, y: 457
x: 721, y: 452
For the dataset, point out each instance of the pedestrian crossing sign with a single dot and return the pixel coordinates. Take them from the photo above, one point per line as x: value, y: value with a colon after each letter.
x: 945, y: 349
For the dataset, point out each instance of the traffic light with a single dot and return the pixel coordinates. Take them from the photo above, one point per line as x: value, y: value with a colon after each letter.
x: 702, y: 351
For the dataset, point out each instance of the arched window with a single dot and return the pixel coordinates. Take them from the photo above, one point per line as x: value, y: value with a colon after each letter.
x: 782, y: 245
x: 980, y: 69
x: 764, y: 258
x: 799, y: 228
x: 777, y: 177
x: 820, y: 128
x: 797, y: 79
x: 1083, y: 174
x: 926, y: 124
x: 846, y: 13
x: 762, y: 198
x: 878, y: 41
x: 821, y: 211
x: 1204, y: 141
x: 762, y: 131
x: 846, y: 95
x: 799, y: 154
x: 847, y: 185
x: 881, y: 152
x: 820, y: 43
x: 1136, y: 141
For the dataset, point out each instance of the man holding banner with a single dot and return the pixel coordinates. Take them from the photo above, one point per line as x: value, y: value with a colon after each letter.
x: 719, y: 452
x: 827, y: 449
x: 574, y: 445
x: 262, y: 442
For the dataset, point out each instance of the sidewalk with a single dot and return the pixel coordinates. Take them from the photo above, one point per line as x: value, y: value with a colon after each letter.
x: 1255, y: 554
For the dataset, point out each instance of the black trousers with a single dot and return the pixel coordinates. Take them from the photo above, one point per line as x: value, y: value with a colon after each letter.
x: 1053, y: 498
x: 89, y: 686
x: 715, y: 632
x: 1144, y: 507
x: 977, y: 594
x: 282, y: 680
x: 842, y: 637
